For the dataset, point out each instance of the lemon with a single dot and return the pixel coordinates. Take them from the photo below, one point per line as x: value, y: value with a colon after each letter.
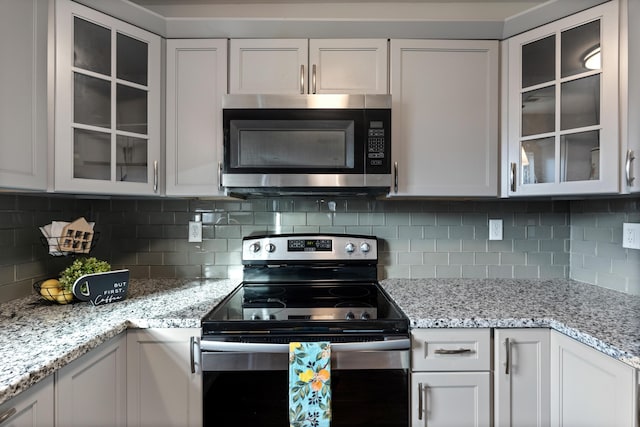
x: 64, y: 297
x: 50, y: 289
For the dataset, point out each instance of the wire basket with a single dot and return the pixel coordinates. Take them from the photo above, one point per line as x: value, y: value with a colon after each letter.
x: 50, y: 290
x: 79, y: 243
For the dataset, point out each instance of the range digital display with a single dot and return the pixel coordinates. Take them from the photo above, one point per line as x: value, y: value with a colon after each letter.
x: 309, y: 245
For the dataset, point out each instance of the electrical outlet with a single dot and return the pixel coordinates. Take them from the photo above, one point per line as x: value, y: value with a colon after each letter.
x: 631, y: 235
x: 495, y: 229
x: 195, y: 231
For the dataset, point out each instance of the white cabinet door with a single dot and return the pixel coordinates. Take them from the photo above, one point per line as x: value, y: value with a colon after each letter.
x: 277, y: 66
x: 162, y: 389
x: 300, y: 66
x: 92, y: 391
x: 440, y: 399
x: 351, y: 66
x: 196, y: 81
x: 630, y: 95
x: 23, y: 94
x: 445, y: 117
x: 589, y: 388
x: 107, y: 104
x: 521, y: 377
x: 31, y: 408
x: 562, y: 117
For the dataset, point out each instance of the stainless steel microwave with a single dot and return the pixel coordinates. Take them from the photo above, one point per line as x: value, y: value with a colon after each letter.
x: 306, y: 144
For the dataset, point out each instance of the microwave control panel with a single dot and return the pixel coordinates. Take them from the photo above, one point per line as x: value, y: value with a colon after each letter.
x: 375, y: 143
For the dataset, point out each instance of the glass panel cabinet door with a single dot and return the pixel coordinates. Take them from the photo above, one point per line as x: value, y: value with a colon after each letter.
x: 563, y: 106
x: 108, y: 112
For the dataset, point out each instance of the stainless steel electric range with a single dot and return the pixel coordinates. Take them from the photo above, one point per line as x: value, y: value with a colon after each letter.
x: 311, y: 287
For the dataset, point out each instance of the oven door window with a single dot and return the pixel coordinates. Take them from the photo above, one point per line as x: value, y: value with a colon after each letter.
x: 372, y: 398
x: 294, y: 141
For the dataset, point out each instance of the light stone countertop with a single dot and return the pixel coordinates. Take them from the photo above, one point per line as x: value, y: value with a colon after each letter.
x: 604, y: 319
x: 38, y: 338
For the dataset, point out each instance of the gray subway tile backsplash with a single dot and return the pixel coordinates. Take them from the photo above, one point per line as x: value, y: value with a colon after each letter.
x: 418, y: 239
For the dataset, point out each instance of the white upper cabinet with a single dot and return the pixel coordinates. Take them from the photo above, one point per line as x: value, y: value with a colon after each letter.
x: 23, y: 94
x: 107, y: 137
x: 630, y: 96
x: 300, y: 66
x: 445, y: 117
x: 562, y: 117
x: 196, y: 81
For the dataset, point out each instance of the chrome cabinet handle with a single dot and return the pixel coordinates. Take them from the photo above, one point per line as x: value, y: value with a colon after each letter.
x: 155, y: 176
x: 220, y: 187
x: 313, y: 78
x: 507, y: 361
x: 194, y: 349
x: 302, y: 79
x: 627, y: 167
x: 395, y: 177
x: 452, y: 351
x: 514, y: 170
x: 420, y: 401
x: 7, y: 414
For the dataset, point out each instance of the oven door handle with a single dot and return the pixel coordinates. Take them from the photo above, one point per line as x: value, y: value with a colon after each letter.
x: 395, y: 344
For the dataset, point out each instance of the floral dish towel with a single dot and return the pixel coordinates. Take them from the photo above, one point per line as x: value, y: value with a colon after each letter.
x: 309, y: 384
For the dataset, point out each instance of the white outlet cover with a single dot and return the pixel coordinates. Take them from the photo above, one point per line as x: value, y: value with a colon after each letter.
x: 195, y: 231
x: 631, y: 235
x: 495, y: 229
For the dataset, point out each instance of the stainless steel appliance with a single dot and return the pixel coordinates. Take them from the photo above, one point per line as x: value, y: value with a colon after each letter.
x: 313, y: 287
x: 302, y: 144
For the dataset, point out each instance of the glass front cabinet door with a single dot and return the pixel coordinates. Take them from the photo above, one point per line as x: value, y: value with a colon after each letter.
x: 107, y: 136
x: 562, y: 118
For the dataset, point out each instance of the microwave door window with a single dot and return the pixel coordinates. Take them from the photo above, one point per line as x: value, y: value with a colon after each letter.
x: 284, y: 144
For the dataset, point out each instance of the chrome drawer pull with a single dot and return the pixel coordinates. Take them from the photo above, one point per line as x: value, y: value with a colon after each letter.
x: 6, y: 415
x: 452, y: 351
x: 420, y: 399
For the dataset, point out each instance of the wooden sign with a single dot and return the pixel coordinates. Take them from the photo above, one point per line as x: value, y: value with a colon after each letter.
x: 102, y: 288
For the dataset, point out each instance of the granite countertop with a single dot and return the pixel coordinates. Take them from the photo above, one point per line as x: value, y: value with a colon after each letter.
x: 37, y: 338
x: 604, y: 319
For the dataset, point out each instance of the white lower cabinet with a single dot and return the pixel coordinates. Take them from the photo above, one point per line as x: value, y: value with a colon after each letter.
x: 91, y: 391
x: 450, y: 377
x: 589, y: 388
x: 521, y: 377
x: 163, y: 387
x: 31, y: 408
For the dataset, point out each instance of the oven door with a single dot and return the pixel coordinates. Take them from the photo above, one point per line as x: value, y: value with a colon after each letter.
x: 246, y: 384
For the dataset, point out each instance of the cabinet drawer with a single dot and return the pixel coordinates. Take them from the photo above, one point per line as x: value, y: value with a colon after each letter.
x: 451, y: 350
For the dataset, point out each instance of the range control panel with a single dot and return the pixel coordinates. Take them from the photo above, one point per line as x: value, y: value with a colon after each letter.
x: 309, y: 248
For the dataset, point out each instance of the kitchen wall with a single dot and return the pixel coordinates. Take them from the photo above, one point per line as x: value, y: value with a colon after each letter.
x: 420, y: 239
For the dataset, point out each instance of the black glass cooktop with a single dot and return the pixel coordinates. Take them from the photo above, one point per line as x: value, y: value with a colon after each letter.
x: 318, y: 308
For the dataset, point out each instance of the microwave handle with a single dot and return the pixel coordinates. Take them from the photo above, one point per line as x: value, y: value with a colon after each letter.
x: 395, y: 177
x: 302, y: 79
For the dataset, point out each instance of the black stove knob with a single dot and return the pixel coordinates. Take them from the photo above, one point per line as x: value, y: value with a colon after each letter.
x: 270, y: 247
x: 254, y: 247
x: 255, y: 316
x: 365, y: 316
x: 350, y: 316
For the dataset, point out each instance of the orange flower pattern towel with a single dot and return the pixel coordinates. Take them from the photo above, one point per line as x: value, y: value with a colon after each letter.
x: 309, y: 384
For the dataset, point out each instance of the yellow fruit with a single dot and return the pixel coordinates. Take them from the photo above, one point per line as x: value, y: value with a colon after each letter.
x: 64, y: 297
x: 50, y: 283
x: 49, y: 289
